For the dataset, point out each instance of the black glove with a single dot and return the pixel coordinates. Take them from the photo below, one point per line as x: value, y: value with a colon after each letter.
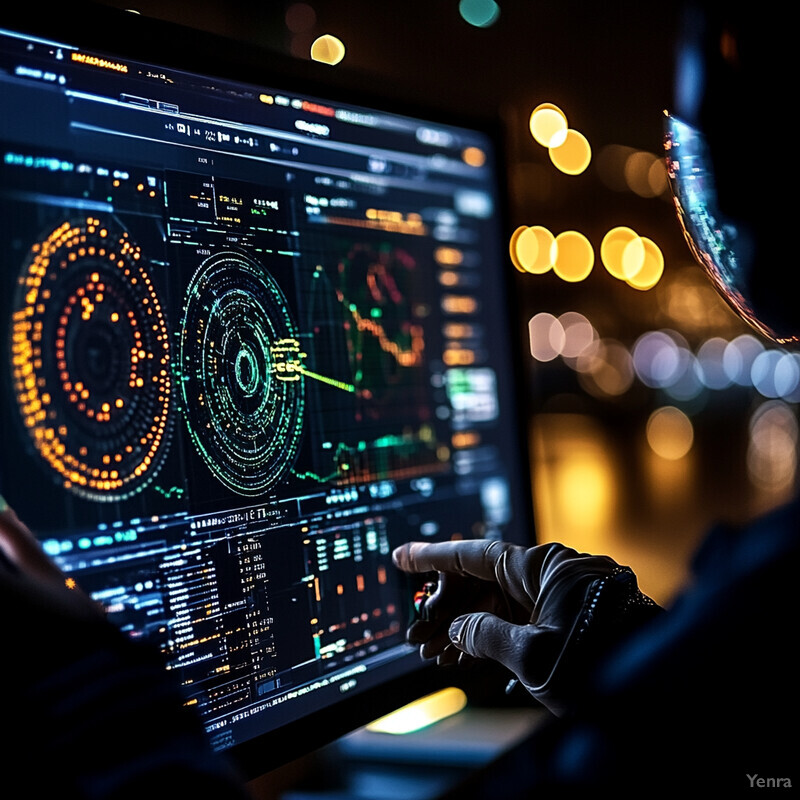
x: 547, y: 613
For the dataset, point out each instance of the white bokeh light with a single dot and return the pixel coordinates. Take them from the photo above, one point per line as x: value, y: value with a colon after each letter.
x: 710, y: 357
x: 578, y: 334
x: 660, y: 358
x: 546, y: 336
x: 740, y: 353
x: 689, y: 385
x: 772, y: 447
x: 768, y: 374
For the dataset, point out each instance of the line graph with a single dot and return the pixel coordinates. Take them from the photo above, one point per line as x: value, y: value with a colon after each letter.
x: 406, y: 356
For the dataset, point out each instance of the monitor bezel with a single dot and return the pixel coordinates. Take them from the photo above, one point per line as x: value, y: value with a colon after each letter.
x: 146, y: 39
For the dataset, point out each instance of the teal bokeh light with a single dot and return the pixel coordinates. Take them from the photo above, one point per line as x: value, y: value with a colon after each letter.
x: 480, y: 13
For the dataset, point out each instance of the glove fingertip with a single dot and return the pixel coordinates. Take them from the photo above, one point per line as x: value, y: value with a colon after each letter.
x: 456, y: 629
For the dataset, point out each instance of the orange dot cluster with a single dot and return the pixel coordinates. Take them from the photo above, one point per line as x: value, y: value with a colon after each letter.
x: 49, y: 411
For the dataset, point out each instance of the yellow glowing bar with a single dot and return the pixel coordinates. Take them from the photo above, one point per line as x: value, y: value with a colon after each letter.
x: 421, y: 713
x: 103, y: 63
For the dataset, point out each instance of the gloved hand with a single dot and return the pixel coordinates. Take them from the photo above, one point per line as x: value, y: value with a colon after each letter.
x: 547, y: 612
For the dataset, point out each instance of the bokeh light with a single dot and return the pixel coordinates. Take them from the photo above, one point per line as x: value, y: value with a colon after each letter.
x: 547, y: 337
x: 327, y: 49
x: 650, y: 268
x: 512, y: 247
x: 740, y: 353
x: 574, y: 155
x: 634, y: 259
x: 693, y: 305
x: 793, y: 396
x: 772, y: 447
x: 300, y: 17
x: 534, y: 249
x: 300, y: 20
x: 479, y: 13
x: 584, y: 489
x: 548, y: 125
x: 645, y: 174
x: 568, y: 335
x: 657, y: 178
x: 577, y: 490
x: 670, y: 433
x: 660, y: 358
x: 613, y: 250
x: 474, y: 156
x: 663, y: 360
x: 711, y: 360
x: 572, y: 256
x: 626, y: 169
x: 687, y: 385
x: 605, y: 368
x: 775, y: 373
x: 531, y: 249
x: 579, y: 334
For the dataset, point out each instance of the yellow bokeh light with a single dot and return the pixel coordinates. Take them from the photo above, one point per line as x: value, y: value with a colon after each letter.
x: 548, y: 125
x: 612, y: 250
x: 512, y: 247
x: 633, y: 257
x: 533, y: 249
x: 574, y: 155
x: 670, y: 433
x: 572, y: 255
x: 576, y: 488
x: 652, y: 267
x: 451, y: 256
x: 585, y: 489
x: 327, y: 49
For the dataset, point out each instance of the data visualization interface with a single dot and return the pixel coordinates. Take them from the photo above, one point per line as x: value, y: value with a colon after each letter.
x: 252, y: 342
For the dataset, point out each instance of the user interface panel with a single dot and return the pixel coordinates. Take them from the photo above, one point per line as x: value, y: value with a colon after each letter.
x: 253, y: 340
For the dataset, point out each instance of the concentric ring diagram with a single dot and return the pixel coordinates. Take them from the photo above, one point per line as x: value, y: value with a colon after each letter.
x: 241, y: 373
x: 91, y: 360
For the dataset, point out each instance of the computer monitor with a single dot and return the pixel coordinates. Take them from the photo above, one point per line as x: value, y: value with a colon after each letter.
x: 256, y: 333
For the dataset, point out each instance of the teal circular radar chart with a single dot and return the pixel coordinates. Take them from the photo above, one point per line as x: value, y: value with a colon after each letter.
x: 241, y: 373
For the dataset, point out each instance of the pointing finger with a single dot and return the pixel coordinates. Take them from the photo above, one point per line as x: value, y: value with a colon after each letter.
x: 473, y: 557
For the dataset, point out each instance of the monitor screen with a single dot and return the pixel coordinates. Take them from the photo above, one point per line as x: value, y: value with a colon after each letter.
x: 254, y: 338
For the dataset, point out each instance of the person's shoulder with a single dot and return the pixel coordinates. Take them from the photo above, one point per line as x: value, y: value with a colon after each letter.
x: 731, y: 552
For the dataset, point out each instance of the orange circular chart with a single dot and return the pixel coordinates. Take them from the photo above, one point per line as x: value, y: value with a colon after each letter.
x: 91, y: 360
